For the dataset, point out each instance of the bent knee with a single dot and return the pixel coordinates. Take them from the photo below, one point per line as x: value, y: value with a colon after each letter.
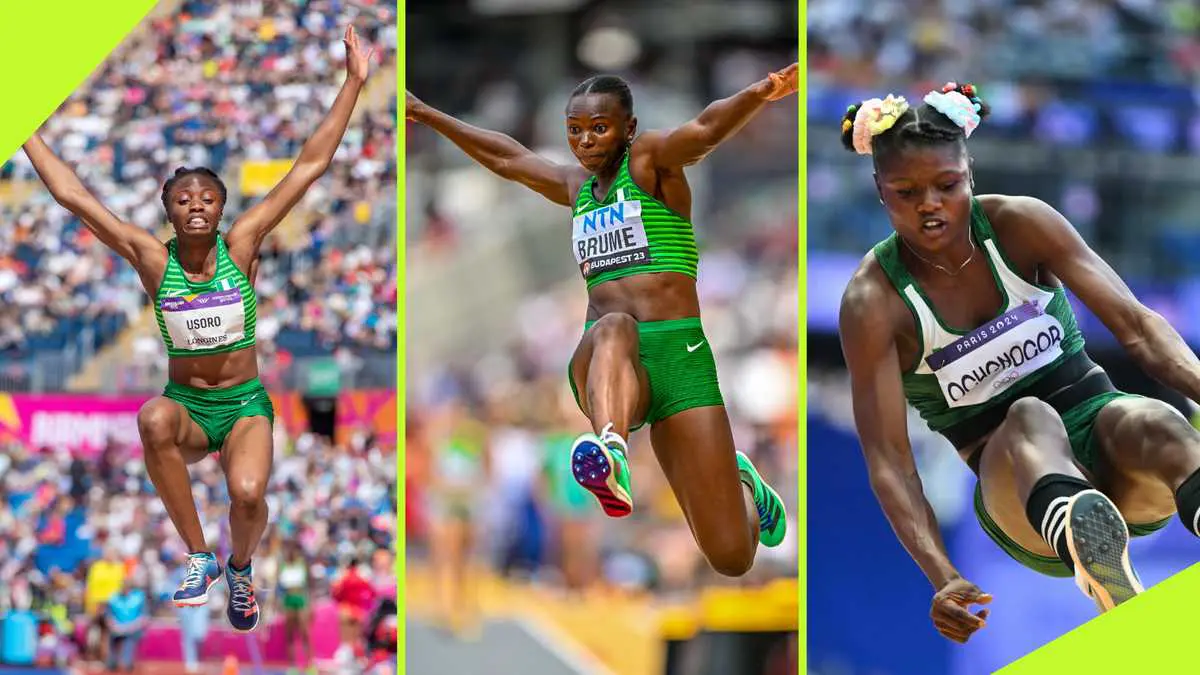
x: 1032, y: 410
x: 247, y: 492
x: 1032, y: 417
x: 158, y: 421
x: 616, y: 325
x: 730, y: 560
x: 1164, y: 425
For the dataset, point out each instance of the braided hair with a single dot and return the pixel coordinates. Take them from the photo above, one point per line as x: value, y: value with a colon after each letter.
x: 607, y: 84
x: 920, y: 126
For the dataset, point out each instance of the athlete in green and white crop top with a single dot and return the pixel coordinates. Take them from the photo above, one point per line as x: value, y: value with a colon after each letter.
x: 962, y: 313
x: 644, y: 357
x: 629, y: 232
x: 205, y: 317
x: 202, y: 287
x: 961, y: 375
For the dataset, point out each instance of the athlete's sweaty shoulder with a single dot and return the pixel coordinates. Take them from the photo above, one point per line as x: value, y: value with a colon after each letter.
x: 575, y: 177
x: 666, y: 184
x: 872, y: 311
x: 1007, y: 212
x: 151, y: 266
x: 1028, y: 229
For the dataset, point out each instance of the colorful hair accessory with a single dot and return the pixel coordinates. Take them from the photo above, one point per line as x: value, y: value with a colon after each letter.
x: 960, y: 109
x: 874, y: 117
x: 846, y: 124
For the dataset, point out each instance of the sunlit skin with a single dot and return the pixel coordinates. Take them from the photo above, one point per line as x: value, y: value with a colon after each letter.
x: 599, y: 130
x: 928, y: 200
x: 194, y: 207
x: 695, y: 447
x: 171, y: 438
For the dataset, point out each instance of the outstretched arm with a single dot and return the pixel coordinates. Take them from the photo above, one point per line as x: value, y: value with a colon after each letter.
x: 498, y: 153
x: 127, y: 240
x: 692, y: 142
x: 1150, y: 340
x: 253, y: 227
x: 867, y: 329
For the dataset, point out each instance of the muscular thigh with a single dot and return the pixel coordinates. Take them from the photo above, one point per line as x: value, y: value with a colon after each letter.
x: 248, y: 450
x: 191, y: 439
x: 1004, y: 505
x: 581, y: 362
x: 1141, y: 444
x: 1020, y: 451
x: 696, y: 451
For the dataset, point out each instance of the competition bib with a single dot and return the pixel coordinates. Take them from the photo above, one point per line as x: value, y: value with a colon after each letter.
x: 206, y: 320
x: 609, y: 238
x: 992, y: 358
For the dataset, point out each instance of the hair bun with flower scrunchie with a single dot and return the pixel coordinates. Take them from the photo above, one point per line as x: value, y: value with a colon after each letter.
x: 961, y: 104
x: 863, y: 121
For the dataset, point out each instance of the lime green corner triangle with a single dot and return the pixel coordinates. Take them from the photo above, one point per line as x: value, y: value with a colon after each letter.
x: 47, y: 49
x: 1151, y: 633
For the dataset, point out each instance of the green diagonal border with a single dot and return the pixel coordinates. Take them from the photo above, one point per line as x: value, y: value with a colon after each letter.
x: 47, y: 49
x: 1148, y: 634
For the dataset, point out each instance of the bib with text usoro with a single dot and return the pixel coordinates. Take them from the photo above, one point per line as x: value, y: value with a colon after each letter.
x: 610, y: 237
x: 990, y: 359
x: 205, y: 320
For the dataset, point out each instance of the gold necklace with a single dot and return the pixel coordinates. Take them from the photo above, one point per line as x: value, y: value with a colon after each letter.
x: 948, y: 272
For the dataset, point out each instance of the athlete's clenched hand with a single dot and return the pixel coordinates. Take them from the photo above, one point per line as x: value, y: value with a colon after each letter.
x: 411, y: 103
x: 950, y: 611
x: 784, y: 82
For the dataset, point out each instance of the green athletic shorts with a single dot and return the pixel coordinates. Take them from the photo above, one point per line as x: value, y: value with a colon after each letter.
x: 680, y: 364
x: 216, y: 410
x: 1079, y: 421
x: 294, y: 602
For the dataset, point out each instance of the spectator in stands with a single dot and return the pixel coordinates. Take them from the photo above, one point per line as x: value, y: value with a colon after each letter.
x: 126, y: 616
x: 356, y: 597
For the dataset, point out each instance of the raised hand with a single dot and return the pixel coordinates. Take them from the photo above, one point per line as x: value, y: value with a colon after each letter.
x: 358, y: 61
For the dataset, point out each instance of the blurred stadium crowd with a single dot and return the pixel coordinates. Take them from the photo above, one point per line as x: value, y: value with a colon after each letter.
x: 489, y: 410
x: 75, y: 531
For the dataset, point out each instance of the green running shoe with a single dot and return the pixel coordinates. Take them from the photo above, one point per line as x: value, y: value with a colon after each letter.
x: 599, y: 465
x: 772, y: 518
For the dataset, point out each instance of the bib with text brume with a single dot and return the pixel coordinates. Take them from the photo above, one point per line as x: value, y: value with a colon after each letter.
x: 989, y: 360
x: 610, y: 237
x: 205, y: 320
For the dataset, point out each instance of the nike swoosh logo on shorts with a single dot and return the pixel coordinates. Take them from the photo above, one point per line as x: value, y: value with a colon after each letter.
x: 249, y: 399
x: 692, y: 348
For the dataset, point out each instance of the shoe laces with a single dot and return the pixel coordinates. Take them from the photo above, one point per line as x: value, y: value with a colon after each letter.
x: 241, y: 591
x: 608, y: 438
x: 197, y: 565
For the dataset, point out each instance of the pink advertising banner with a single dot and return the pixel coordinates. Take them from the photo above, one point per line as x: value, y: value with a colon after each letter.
x: 82, y: 424
x: 373, y: 410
